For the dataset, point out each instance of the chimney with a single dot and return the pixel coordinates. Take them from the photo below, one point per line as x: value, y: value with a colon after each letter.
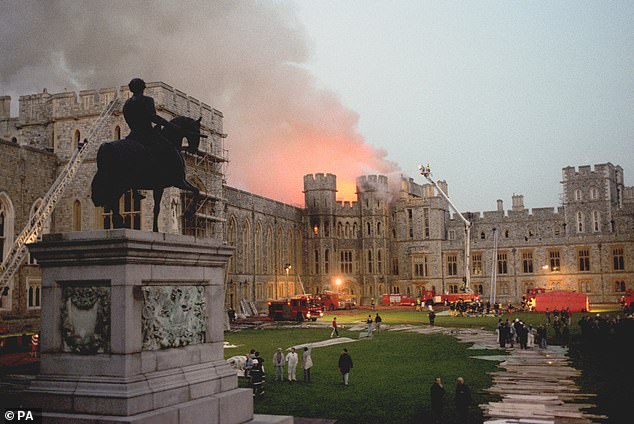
x: 5, y: 107
x: 518, y: 202
x: 500, y: 205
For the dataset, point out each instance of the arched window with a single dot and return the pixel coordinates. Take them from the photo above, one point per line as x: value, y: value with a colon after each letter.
x: 482, y: 235
x: 354, y: 230
x: 270, y: 251
x: 6, y: 224
x: 594, y: 193
x: 379, y: 262
x: 327, y: 261
x: 76, y: 215
x: 370, y: 262
x: 580, y: 222
x: 578, y: 195
x: 117, y: 133
x: 369, y: 229
x: 378, y: 229
x: 258, y: 248
x: 347, y: 230
x: 76, y: 139
x: 232, y: 235
x: 596, y: 221
x: 246, y: 247
x: 339, y: 230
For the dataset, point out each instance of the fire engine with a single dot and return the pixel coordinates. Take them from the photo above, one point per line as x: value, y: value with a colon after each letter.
x: 330, y: 301
x: 297, y: 308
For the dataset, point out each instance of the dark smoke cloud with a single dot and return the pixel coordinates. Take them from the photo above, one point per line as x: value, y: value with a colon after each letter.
x: 244, y: 58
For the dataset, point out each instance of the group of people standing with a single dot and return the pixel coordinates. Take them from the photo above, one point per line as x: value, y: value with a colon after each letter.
x: 291, y: 360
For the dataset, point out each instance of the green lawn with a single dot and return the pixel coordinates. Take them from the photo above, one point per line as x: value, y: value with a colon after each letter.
x: 390, y: 380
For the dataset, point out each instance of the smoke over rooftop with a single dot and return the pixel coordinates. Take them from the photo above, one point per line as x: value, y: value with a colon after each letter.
x: 243, y: 58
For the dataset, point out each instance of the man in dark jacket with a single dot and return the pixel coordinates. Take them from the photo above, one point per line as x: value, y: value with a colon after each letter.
x: 463, y: 400
x: 437, y: 395
x: 345, y: 365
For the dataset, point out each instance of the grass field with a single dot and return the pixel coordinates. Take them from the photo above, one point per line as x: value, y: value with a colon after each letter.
x: 392, y: 372
x: 390, y: 380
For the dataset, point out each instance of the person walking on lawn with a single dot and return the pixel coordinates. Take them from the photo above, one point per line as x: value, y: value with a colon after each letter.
x: 369, y: 322
x: 334, y: 328
x: 345, y: 365
x: 377, y: 321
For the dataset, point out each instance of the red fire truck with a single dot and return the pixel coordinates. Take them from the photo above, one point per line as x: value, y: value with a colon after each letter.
x: 398, y: 299
x: 454, y: 297
x: 330, y: 301
x: 297, y: 308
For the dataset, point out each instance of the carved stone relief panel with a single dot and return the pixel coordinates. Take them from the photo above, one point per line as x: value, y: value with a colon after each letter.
x: 173, y: 316
x: 85, y: 316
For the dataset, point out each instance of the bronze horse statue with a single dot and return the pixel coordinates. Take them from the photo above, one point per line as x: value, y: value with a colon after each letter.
x: 129, y: 164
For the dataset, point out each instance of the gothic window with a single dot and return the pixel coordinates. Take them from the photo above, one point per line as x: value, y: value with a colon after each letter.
x: 410, y: 223
x: 339, y: 230
x: 506, y: 233
x: 316, y: 261
x: 453, y: 288
x: 354, y: 230
x: 378, y: 229
x: 476, y: 264
x: 117, y: 133
x: 369, y: 229
x: 503, y: 263
x: 578, y: 196
x: 6, y: 224
x: 347, y: 230
x: 452, y: 234
x: 258, y: 248
x: 327, y: 261
x: 482, y: 235
x: 76, y: 139
x: 618, y: 263
x: 76, y: 215
x: 619, y: 286
x: 580, y: 222
x: 395, y: 266
x: 555, y: 262
x: 452, y: 265
x: 246, y: 247
x: 527, y: 262
x: 503, y: 289
x: 596, y: 219
x: 270, y: 251
x: 583, y: 256
x: 420, y: 267
x: 585, y: 286
x: 478, y: 288
x: 232, y: 236
x: 379, y: 262
x: 346, y: 261
x: 594, y: 193
x: 426, y: 222
x: 34, y: 294
x: 370, y: 262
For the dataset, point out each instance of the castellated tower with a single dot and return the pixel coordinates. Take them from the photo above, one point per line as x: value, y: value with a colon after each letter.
x: 374, y: 198
x: 320, y: 191
x: 591, y: 198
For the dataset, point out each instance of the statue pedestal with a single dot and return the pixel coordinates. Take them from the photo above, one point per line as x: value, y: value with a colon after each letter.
x: 132, y: 331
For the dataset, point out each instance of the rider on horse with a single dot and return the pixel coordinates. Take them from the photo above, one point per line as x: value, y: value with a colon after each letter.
x: 139, y: 113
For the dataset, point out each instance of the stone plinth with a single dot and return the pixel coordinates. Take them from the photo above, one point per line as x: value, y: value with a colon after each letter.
x: 132, y: 330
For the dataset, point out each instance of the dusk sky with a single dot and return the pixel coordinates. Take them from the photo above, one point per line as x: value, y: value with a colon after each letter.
x: 497, y: 96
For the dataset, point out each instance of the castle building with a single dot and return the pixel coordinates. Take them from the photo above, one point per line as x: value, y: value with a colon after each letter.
x: 384, y: 242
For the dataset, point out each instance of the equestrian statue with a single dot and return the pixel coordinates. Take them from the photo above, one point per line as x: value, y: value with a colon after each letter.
x: 148, y: 158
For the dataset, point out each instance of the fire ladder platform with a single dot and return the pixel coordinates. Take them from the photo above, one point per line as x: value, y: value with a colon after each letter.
x: 33, y: 229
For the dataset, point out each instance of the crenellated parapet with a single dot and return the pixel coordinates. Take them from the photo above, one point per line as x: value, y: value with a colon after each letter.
x: 44, y: 107
x: 367, y: 183
x: 320, y: 181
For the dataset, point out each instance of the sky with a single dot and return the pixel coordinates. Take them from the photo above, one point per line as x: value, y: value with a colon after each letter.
x: 497, y: 96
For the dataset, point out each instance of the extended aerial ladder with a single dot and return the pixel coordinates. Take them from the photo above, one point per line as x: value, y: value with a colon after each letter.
x: 33, y: 229
x: 425, y: 171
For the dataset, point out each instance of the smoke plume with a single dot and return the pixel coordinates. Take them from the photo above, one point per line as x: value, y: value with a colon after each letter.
x: 244, y: 58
